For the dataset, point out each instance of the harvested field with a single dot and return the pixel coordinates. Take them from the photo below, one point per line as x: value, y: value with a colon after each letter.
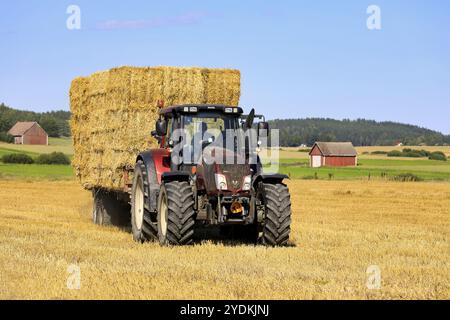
x: 339, y: 229
x: 115, y: 111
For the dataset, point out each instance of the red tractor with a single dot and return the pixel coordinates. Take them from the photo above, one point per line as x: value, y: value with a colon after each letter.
x: 182, y: 184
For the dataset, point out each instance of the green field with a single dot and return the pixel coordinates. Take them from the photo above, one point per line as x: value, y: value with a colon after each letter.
x: 376, y: 168
x: 8, y: 150
x: 63, y: 145
x: 295, y: 164
x: 34, y: 171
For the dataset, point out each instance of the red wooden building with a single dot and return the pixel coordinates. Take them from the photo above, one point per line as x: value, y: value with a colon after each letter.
x: 333, y: 154
x: 28, y: 133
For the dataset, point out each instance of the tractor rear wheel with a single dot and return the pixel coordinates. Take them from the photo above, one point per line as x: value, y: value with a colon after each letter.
x: 108, y: 210
x: 276, y: 226
x: 143, y: 222
x: 176, y: 215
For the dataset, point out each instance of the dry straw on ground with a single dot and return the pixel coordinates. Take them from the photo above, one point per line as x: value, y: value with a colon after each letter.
x: 339, y: 229
x: 115, y: 111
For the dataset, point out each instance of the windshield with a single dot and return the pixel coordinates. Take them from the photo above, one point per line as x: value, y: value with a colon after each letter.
x: 210, y: 129
x: 208, y: 125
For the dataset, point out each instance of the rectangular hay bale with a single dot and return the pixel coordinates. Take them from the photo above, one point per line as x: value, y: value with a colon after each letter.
x: 114, y: 111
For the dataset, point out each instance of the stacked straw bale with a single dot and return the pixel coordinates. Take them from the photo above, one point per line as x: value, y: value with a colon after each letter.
x: 113, y: 113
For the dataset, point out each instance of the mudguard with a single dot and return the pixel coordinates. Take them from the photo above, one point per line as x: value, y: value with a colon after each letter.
x: 269, y: 178
x: 175, y: 176
x: 154, y: 164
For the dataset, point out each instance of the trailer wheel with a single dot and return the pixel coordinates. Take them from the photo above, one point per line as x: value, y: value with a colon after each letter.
x: 176, y: 214
x: 276, y: 226
x: 108, y: 210
x: 143, y: 222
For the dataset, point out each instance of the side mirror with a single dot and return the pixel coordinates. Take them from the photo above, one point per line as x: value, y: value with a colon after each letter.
x: 156, y: 136
x: 250, y: 119
x: 161, y: 127
x: 263, y: 129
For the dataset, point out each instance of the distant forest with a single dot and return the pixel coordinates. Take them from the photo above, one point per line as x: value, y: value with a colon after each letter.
x: 295, y: 132
x: 55, y: 123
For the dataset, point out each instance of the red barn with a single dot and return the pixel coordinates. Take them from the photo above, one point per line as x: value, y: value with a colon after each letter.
x: 333, y: 154
x: 28, y: 133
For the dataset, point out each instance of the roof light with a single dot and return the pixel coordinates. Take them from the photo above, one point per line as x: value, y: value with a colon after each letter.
x: 186, y: 109
x: 228, y: 110
x: 193, y: 109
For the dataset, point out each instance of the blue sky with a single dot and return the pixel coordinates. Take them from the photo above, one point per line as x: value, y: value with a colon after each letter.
x: 298, y: 58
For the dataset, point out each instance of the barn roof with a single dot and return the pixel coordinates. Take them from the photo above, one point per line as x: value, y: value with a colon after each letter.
x: 343, y: 149
x: 20, y: 128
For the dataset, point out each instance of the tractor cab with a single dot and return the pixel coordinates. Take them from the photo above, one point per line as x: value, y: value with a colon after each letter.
x: 196, y: 120
x: 188, y: 130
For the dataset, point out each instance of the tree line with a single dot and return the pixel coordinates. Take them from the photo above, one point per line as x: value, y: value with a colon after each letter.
x: 55, y: 123
x: 293, y: 132
x: 361, y: 132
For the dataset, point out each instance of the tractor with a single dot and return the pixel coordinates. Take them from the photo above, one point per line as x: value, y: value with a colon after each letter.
x: 195, y: 179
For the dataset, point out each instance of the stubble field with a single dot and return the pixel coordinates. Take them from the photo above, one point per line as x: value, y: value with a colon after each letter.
x: 340, y: 228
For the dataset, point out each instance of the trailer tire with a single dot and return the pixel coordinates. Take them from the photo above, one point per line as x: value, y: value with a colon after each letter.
x: 143, y: 221
x: 276, y: 226
x: 108, y: 210
x: 176, y: 215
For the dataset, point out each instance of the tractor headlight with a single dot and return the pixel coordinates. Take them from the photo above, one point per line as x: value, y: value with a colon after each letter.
x: 247, y: 183
x: 221, y: 181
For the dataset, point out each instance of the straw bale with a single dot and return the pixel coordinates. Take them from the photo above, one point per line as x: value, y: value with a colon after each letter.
x: 114, y: 111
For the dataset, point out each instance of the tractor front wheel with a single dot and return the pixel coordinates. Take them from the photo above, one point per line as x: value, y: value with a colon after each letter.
x: 276, y: 225
x: 176, y: 215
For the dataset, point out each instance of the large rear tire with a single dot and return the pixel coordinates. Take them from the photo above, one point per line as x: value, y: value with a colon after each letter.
x: 143, y: 222
x: 276, y: 226
x: 108, y: 210
x: 176, y: 215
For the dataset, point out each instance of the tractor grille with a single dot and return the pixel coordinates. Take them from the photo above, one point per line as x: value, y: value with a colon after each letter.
x: 235, y: 174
